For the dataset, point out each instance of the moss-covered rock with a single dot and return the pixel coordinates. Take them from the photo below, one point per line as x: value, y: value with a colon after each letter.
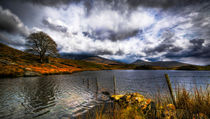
x: 31, y: 73
x: 116, y: 97
x: 132, y: 99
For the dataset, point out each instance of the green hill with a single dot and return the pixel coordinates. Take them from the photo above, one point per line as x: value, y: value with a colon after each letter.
x: 14, y: 63
x: 166, y: 64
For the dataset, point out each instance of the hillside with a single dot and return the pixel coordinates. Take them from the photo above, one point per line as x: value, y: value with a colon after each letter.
x: 89, y: 58
x: 17, y: 63
x: 139, y: 62
x: 167, y: 64
x: 75, y: 56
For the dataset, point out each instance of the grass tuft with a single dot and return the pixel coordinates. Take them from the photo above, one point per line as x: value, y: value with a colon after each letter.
x: 194, y: 104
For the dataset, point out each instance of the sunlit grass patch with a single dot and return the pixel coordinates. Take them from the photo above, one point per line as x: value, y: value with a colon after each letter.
x: 194, y: 104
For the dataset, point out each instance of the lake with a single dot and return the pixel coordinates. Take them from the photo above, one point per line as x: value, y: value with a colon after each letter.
x: 60, y: 96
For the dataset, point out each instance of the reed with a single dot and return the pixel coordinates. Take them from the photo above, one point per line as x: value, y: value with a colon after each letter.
x: 193, y: 104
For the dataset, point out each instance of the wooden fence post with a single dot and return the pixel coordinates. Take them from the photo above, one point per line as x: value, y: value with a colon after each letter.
x: 170, y: 89
x: 97, y: 87
x: 83, y: 81
x: 114, y: 82
x: 88, y: 83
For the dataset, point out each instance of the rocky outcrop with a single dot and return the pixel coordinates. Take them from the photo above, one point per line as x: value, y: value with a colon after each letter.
x: 31, y: 73
x: 7, y: 62
x: 142, y: 107
x: 132, y: 99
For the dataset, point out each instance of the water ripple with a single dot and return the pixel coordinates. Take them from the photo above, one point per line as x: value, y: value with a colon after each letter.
x: 60, y: 96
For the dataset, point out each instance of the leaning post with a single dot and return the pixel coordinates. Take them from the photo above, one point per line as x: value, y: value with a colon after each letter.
x: 170, y: 89
x: 97, y: 87
x: 114, y: 82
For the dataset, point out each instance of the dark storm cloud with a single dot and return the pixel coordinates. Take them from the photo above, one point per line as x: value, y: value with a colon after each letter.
x: 167, y: 45
x: 196, y: 50
x: 52, y: 2
x: 10, y: 23
x: 159, y: 48
x: 187, y: 19
x: 111, y: 35
x: 54, y: 26
x: 28, y: 13
x: 116, y: 3
x: 107, y: 52
x: 163, y: 3
x: 5, y: 40
x: 164, y: 48
x: 120, y: 52
x: 200, y: 20
x: 175, y: 49
x: 102, y: 52
x: 197, y: 43
x: 13, y: 42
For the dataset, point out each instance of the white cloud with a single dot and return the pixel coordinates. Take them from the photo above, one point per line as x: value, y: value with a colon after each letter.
x: 105, y: 21
x: 76, y: 21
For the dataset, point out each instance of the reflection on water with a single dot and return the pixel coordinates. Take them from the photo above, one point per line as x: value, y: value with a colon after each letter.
x: 42, y: 97
x: 58, y: 96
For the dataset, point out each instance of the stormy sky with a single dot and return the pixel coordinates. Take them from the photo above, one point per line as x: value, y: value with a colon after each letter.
x: 126, y: 30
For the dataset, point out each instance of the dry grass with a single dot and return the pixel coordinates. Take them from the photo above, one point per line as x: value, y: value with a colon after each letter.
x: 193, y: 104
x: 15, y: 63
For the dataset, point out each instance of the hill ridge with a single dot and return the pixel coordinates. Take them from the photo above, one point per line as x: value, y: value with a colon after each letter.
x: 15, y: 63
x: 168, y: 64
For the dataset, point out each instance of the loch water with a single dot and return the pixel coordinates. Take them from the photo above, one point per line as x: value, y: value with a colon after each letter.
x: 60, y: 96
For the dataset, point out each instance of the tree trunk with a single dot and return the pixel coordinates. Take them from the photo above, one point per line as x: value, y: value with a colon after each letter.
x: 41, y: 59
x: 47, y: 59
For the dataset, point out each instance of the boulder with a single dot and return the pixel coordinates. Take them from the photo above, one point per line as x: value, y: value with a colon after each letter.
x: 31, y: 73
x: 132, y: 99
x: 116, y: 97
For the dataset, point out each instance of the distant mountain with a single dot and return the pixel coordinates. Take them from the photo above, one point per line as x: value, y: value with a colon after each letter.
x: 139, y: 62
x: 167, y: 64
x: 75, y: 56
x: 89, y: 58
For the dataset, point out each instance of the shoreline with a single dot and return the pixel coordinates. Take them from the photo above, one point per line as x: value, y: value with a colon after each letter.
x: 103, y: 109
x: 3, y: 76
x: 60, y: 73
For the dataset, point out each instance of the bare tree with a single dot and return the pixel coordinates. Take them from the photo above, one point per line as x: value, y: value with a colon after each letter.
x: 41, y: 44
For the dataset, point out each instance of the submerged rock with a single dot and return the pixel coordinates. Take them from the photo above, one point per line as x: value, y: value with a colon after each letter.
x: 105, y: 93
